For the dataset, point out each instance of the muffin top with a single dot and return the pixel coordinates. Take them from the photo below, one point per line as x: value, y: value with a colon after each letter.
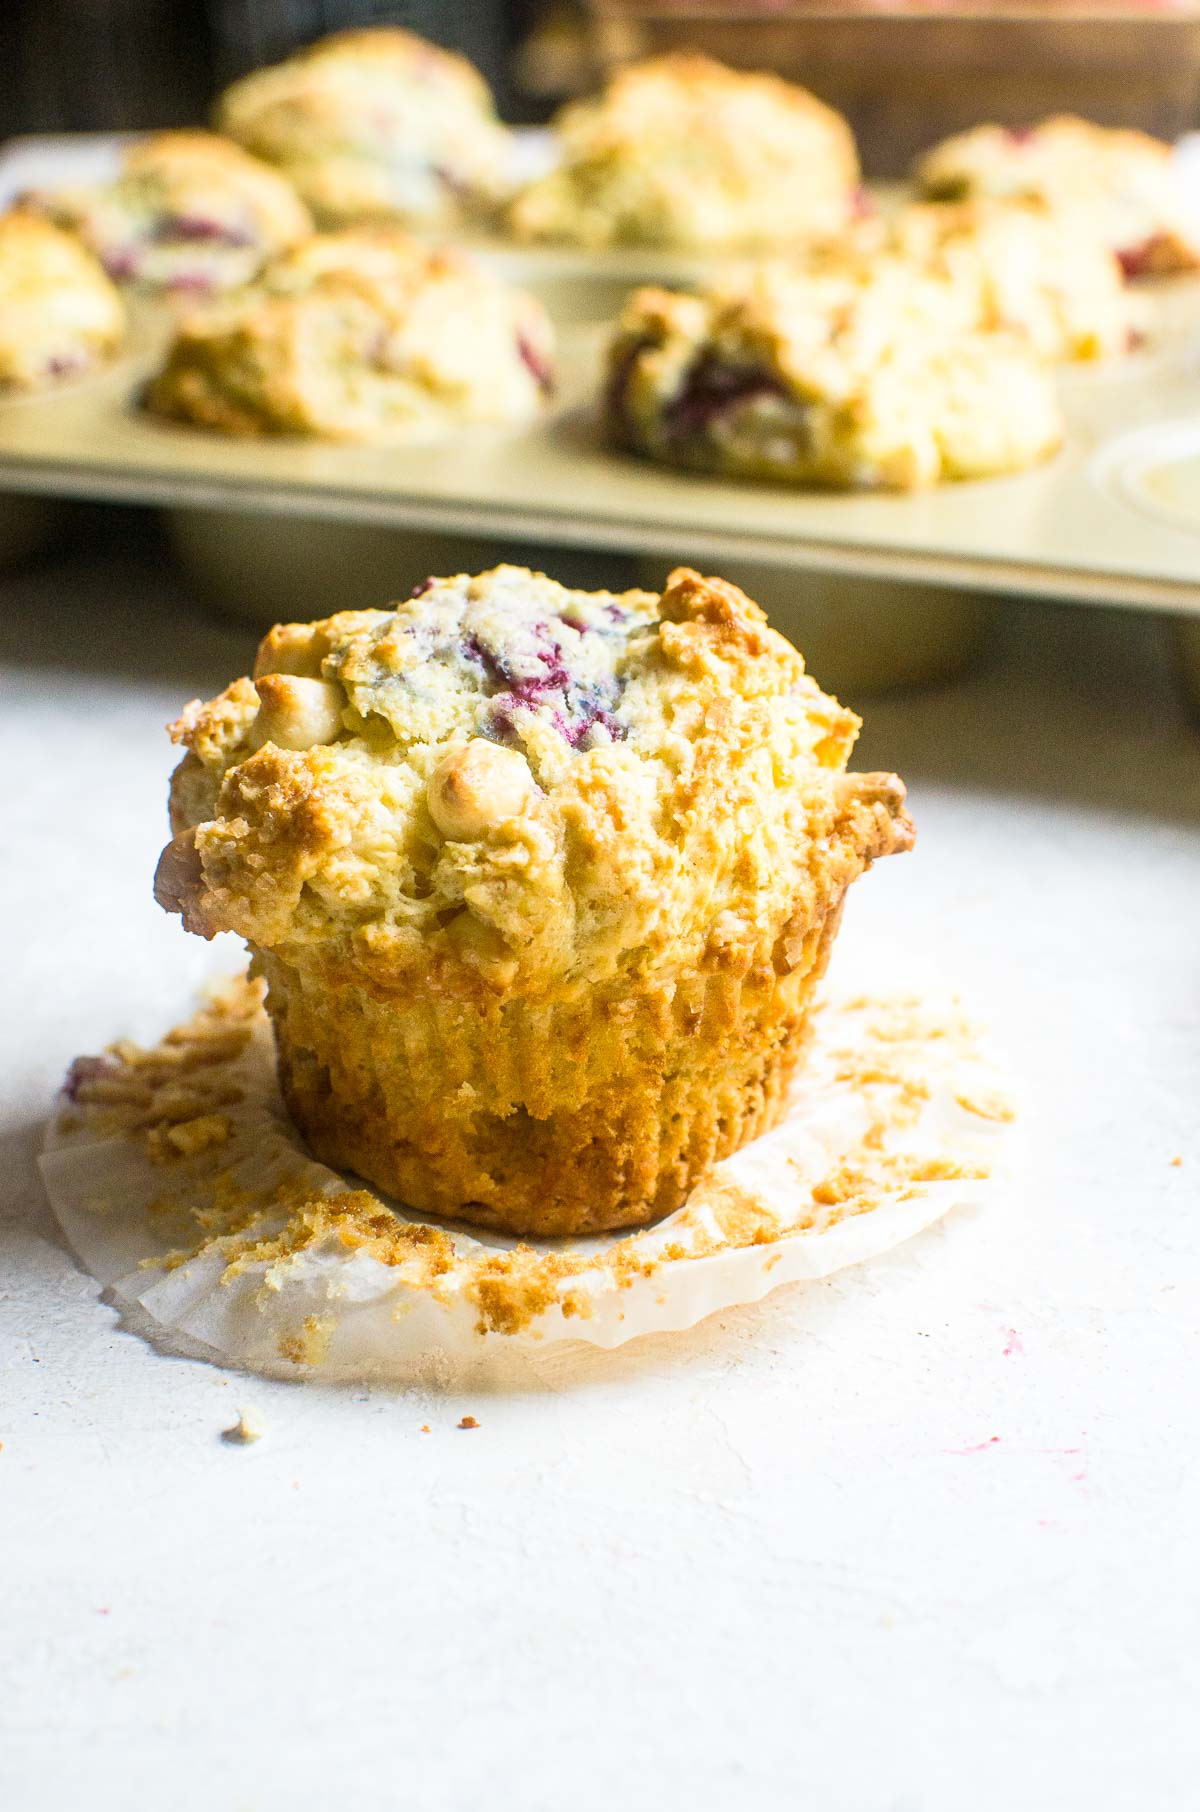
x: 847, y: 372
x: 1028, y: 269
x: 360, y: 335
x: 374, y: 122
x: 1123, y: 185
x: 682, y: 152
x: 506, y: 782
x: 189, y: 211
x: 58, y: 311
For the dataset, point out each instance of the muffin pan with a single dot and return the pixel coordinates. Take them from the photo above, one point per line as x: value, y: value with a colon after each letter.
x: 1070, y: 529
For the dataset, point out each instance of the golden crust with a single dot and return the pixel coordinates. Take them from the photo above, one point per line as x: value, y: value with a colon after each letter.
x: 547, y: 1005
x: 59, y: 314
x: 855, y: 372
x: 361, y: 335
x: 385, y: 47
x: 1120, y: 186
x: 375, y: 124
x: 681, y: 151
x: 1028, y: 271
x: 189, y: 211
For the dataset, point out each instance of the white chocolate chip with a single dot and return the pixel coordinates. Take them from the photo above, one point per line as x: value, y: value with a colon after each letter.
x: 476, y: 787
x: 295, y: 648
x: 481, y: 947
x: 295, y: 713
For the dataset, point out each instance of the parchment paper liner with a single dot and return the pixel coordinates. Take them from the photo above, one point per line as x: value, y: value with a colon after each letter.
x: 181, y: 1185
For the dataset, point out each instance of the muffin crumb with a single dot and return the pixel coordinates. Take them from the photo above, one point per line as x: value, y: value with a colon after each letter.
x: 249, y: 1427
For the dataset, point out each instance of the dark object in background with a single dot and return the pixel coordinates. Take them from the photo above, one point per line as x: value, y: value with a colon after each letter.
x: 909, y: 72
x: 116, y: 65
x: 249, y: 33
x: 101, y: 65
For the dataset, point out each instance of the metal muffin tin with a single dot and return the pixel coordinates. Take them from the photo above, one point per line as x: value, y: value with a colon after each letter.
x: 1088, y: 526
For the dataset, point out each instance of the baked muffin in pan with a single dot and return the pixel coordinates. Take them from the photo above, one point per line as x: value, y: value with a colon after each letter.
x: 682, y: 153
x: 541, y: 882
x: 189, y: 212
x: 856, y: 374
x: 360, y: 335
x: 1124, y: 187
x: 376, y: 124
x: 59, y: 314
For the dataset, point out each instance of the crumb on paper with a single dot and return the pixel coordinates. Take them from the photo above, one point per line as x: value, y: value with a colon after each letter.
x: 987, y: 1104
x: 1176, y: 1163
x: 468, y: 1422
x: 248, y: 1427
x: 425, y: 1428
x: 308, y: 1345
x: 187, y: 1138
x: 195, y: 1096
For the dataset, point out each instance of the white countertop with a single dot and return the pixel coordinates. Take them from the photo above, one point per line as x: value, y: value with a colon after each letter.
x: 920, y: 1538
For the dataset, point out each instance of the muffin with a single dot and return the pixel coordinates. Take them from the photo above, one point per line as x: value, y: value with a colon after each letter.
x: 855, y: 375
x: 1027, y: 270
x: 1124, y: 187
x: 362, y: 335
x: 59, y: 314
x: 189, y: 211
x: 680, y: 152
x: 376, y: 124
x: 541, y: 882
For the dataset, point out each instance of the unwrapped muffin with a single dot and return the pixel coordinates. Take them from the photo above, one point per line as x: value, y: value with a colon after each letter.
x: 681, y: 152
x: 1123, y: 187
x: 59, y: 314
x: 361, y: 335
x: 189, y: 211
x: 855, y: 374
x: 541, y: 882
x: 376, y: 124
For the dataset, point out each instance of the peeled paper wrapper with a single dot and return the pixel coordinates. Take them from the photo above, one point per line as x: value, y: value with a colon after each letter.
x: 181, y: 1184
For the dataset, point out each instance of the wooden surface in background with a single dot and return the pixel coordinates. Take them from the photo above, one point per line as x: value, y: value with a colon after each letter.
x: 906, y: 80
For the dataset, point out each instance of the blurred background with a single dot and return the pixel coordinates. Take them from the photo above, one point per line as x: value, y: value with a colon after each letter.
x: 904, y: 73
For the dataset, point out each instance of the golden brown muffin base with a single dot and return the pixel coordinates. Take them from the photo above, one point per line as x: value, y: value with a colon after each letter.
x: 570, y: 1118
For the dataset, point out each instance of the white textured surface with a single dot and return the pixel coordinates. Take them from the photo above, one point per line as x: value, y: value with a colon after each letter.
x: 919, y: 1538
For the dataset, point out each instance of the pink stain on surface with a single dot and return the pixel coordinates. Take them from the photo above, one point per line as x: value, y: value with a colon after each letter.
x: 1013, y: 1344
x: 979, y: 1447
